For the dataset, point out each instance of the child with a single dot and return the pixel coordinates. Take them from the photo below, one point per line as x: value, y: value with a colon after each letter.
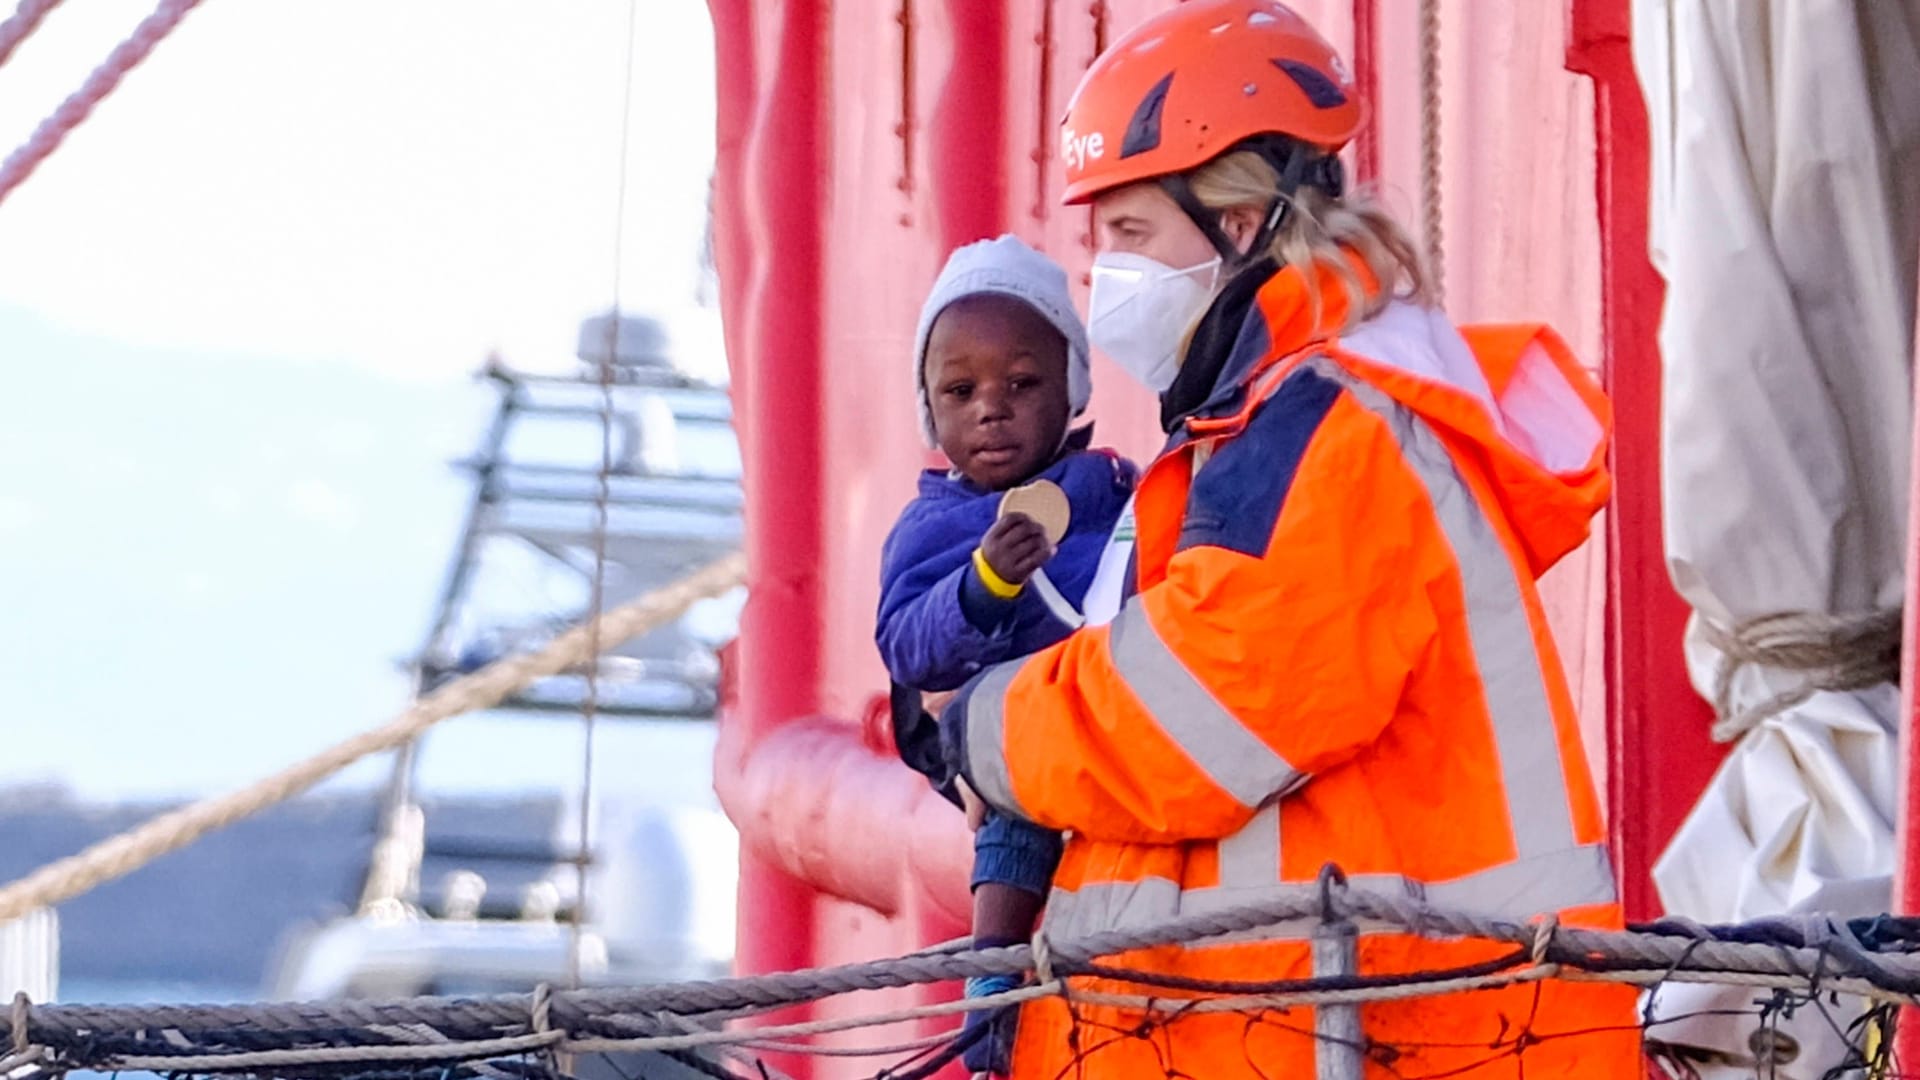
x: 1000, y: 365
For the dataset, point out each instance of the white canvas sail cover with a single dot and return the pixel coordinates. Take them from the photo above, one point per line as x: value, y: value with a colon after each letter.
x: 1786, y: 221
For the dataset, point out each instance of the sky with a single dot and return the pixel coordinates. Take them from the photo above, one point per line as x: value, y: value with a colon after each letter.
x: 240, y: 310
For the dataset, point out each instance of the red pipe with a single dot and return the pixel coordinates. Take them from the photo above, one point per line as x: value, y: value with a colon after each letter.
x: 735, y: 79
x: 813, y: 800
x: 772, y: 282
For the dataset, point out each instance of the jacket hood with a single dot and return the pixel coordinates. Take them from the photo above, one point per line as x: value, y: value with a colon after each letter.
x: 1511, y: 397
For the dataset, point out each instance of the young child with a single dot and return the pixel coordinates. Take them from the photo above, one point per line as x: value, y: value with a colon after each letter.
x: 1000, y: 364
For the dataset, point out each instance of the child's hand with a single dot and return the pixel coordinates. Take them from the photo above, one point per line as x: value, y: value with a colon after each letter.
x: 1015, y: 547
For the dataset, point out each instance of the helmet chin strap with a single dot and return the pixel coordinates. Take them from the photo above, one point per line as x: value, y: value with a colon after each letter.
x: 1298, y: 165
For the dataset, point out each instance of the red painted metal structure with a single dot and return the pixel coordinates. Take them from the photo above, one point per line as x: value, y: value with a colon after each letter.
x: 858, y: 143
x: 1659, y: 754
x: 1906, y: 881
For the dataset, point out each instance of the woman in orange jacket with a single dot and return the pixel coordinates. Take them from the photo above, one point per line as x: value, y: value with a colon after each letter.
x: 1322, y: 641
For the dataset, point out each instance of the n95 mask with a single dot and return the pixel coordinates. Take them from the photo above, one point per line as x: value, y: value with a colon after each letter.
x: 1140, y: 309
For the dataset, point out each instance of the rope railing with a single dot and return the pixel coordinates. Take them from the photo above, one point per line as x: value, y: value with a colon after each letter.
x: 126, y: 852
x: 1810, y: 955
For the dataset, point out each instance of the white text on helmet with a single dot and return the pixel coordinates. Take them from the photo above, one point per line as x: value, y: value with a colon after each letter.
x: 1081, y: 149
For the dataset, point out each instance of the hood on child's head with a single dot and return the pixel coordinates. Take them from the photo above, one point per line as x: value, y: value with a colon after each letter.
x: 1008, y: 267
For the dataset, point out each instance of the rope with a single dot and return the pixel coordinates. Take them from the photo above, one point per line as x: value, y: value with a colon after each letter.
x: 1627, y: 956
x: 737, y: 1053
x: 423, y: 1034
x: 1622, y: 956
x: 1856, y: 987
x: 1042, y: 956
x: 1543, y: 937
x: 695, y: 1040
x: 1828, y: 652
x: 22, y: 23
x: 810, y: 1050
x: 1431, y: 209
x: 334, y: 1055
x: 73, y: 111
x: 452, y: 1051
x: 120, y: 855
x: 22, y: 1018
x: 21, y: 1060
x: 540, y: 1009
x: 597, y: 1019
x: 1263, y: 1002
x: 1141, y: 1002
x: 602, y: 494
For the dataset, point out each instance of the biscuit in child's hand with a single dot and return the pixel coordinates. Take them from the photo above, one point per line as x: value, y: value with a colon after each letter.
x: 1044, y: 502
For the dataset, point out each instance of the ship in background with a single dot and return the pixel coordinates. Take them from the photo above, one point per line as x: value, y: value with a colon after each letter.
x: 477, y: 911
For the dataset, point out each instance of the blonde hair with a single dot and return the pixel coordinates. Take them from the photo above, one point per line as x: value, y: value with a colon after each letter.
x: 1322, y: 231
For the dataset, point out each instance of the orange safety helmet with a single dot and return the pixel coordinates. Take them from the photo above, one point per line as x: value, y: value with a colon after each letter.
x: 1196, y: 81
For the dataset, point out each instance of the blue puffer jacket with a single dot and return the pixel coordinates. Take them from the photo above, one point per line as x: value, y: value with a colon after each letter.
x: 924, y: 634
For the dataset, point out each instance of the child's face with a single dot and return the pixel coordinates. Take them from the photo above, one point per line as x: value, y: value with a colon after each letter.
x: 997, y: 383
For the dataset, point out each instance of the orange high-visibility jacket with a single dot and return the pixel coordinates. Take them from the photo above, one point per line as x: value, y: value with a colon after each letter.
x: 1334, y: 652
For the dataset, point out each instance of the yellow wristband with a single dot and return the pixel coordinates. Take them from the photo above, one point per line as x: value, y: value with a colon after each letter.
x: 997, y: 585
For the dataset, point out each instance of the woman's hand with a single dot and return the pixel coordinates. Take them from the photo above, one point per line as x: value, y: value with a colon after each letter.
x: 935, y: 701
x: 1015, y: 547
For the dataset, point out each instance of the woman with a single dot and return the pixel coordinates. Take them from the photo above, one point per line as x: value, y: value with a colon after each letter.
x: 1325, y: 644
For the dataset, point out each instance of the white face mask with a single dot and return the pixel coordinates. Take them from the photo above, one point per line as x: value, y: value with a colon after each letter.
x: 1140, y: 309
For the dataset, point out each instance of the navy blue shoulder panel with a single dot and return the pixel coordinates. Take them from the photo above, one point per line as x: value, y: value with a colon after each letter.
x: 1234, y: 502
